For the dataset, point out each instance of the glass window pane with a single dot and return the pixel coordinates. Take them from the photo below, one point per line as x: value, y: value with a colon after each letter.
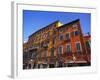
x: 61, y: 37
x: 67, y: 36
x: 78, y: 47
x: 52, y: 51
x: 60, y: 50
x: 69, y: 48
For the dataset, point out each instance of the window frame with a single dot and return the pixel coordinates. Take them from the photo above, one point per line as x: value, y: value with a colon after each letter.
x: 80, y: 46
x: 66, y: 36
x: 52, y: 54
x: 89, y: 44
x: 73, y: 33
x: 62, y: 49
x: 62, y: 37
x: 70, y: 48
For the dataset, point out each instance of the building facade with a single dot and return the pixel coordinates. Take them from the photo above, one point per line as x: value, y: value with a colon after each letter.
x: 57, y: 45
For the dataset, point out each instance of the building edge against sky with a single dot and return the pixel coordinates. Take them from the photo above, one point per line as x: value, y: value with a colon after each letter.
x: 57, y: 45
x: 35, y: 20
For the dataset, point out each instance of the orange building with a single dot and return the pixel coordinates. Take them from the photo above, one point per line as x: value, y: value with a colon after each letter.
x: 57, y: 45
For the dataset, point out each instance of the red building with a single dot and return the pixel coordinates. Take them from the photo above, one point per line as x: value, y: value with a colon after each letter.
x: 57, y: 45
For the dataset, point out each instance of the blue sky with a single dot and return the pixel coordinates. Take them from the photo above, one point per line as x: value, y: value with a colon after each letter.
x: 35, y: 20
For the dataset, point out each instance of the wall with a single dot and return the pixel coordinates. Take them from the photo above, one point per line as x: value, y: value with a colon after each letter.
x: 5, y: 41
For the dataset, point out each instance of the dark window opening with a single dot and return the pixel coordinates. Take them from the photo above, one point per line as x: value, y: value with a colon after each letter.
x: 60, y: 50
x: 52, y: 52
x: 68, y: 48
x: 78, y: 47
x: 61, y: 37
x: 67, y: 36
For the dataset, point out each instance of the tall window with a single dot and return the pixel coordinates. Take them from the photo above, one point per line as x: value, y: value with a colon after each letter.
x: 61, y: 37
x: 78, y: 47
x: 68, y: 48
x: 60, y: 50
x: 45, y: 53
x: 67, y: 36
x: 32, y: 55
x: 52, y: 52
x: 88, y: 44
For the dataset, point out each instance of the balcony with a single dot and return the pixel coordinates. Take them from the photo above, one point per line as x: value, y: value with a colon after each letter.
x: 45, y: 45
x: 33, y: 48
x: 65, y: 41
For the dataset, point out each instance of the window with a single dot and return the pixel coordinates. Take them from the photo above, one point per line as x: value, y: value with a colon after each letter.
x: 32, y: 55
x: 75, y: 33
x: 60, y: 50
x: 68, y: 47
x: 61, y: 37
x: 45, y: 53
x: 88, y: 44
x: 52, y: 52
x: 78, y: 47
x: 67, y: 36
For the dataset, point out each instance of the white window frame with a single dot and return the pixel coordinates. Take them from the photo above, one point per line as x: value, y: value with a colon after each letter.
x: 69, y: 35
x: 70, y: 47
x: 62, y: 49
x: 60, y: 36
x: 80, y: 46
x: 74, y: 31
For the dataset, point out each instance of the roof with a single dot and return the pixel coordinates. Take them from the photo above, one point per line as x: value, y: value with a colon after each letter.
x: 68, y: 23
x: 88, y: 36
x: 44, y: 28
x: 54, y: 23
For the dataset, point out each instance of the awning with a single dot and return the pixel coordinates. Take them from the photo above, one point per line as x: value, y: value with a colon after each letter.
x: 75, y: 62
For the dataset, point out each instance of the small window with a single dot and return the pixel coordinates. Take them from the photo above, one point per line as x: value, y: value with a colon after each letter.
x: 67, y: 36
x: 61, y: 37
x: 78, y: 47
x: 60, y: 50
x: 68, y: 48
x: 75, y: 33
